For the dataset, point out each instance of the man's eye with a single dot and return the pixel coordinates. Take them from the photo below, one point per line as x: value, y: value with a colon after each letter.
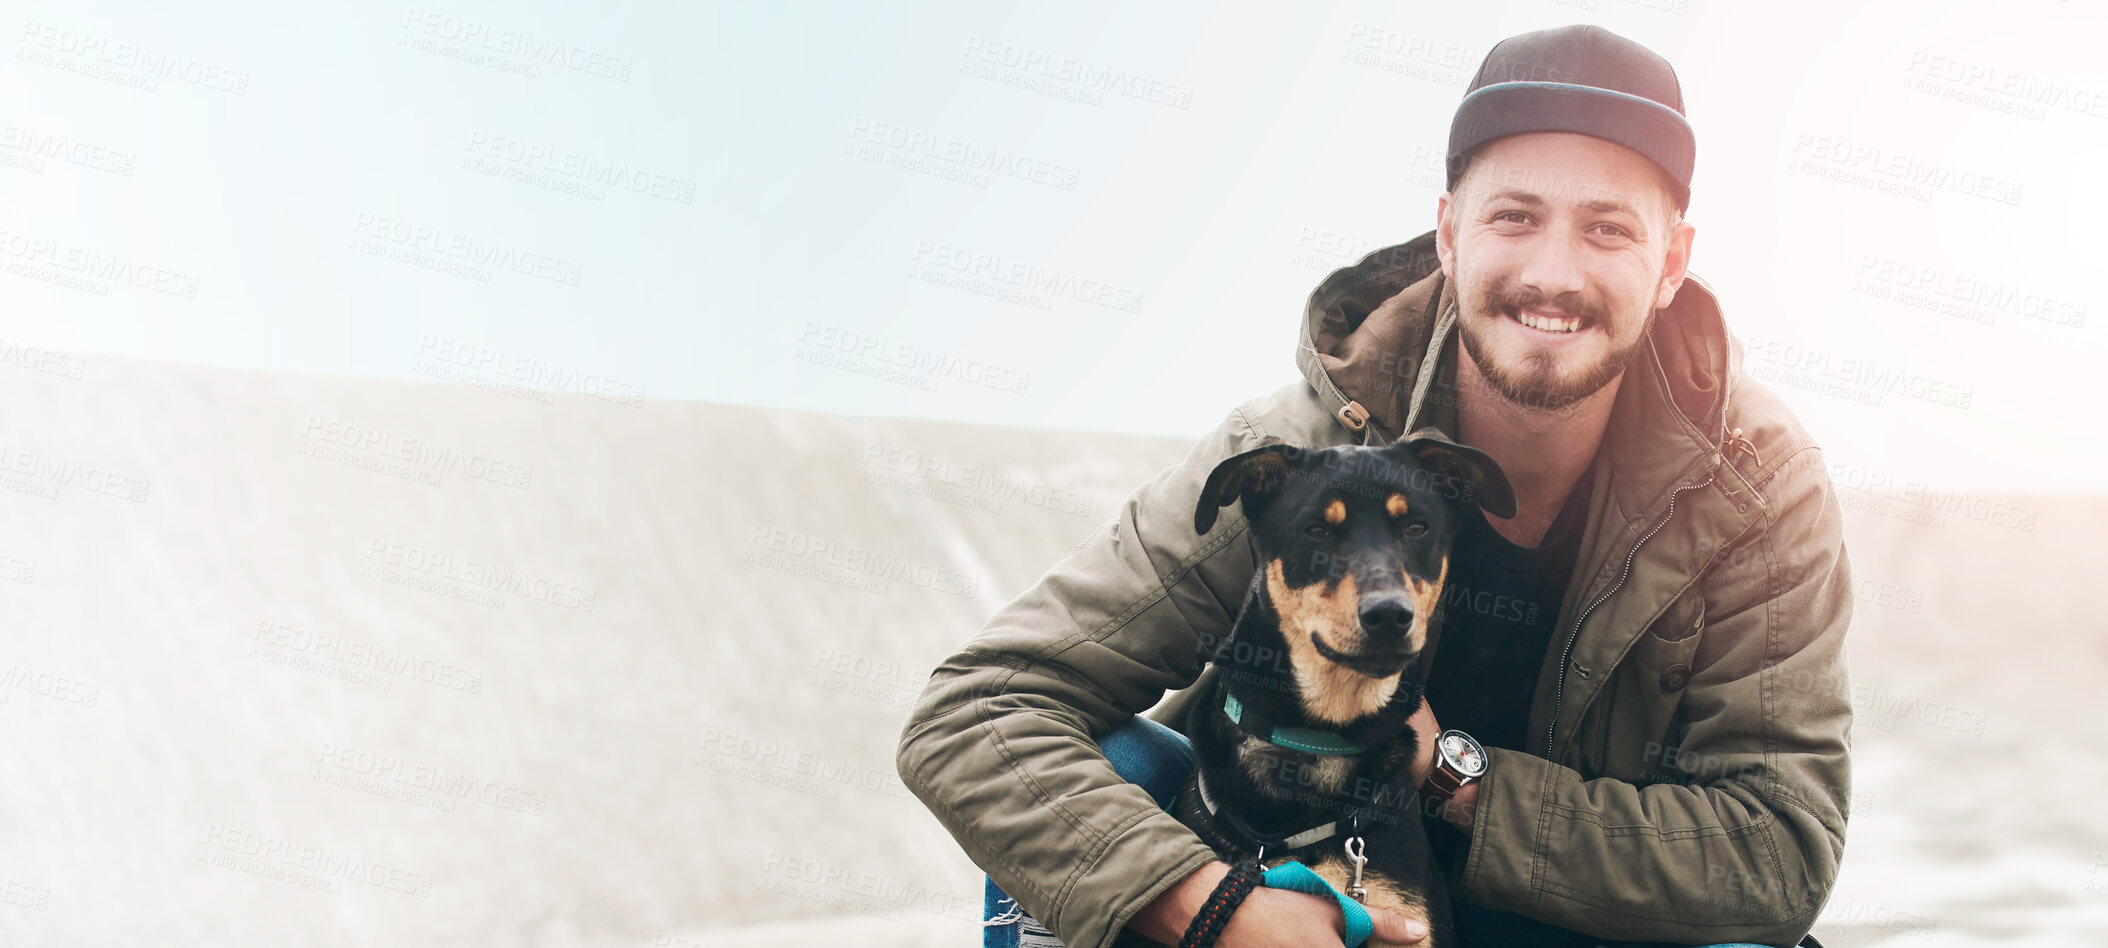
x: 1614, y: 230
x: 1318, y: 531
x: 1516, y: 217
x: 1415, y: 528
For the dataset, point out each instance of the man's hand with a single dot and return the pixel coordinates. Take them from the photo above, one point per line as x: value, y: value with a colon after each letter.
x: 1457, y: 809
x: 1268, y: 918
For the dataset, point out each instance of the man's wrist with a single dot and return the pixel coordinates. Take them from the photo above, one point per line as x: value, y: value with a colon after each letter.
x: 1166, y: 917
x: 1461, y: 807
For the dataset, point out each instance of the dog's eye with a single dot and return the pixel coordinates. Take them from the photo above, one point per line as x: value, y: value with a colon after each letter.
x: 1415, y: 528
x: 1318, y: 531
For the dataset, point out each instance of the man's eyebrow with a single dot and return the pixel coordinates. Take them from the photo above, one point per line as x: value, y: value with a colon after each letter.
x: 1598, y: 205
x: 1611, y: 206
x: 1520, y: 197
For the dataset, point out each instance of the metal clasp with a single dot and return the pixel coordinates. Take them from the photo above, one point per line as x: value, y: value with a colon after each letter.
x: 1355, y: 857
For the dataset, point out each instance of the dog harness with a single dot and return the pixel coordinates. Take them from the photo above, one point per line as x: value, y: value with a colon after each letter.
x: 1293, y: 874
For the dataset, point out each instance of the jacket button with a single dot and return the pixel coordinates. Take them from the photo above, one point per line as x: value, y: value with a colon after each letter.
x: 1676, y: 676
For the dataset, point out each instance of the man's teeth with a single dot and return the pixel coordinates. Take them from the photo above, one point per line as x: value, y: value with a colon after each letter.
x: 1567, y: 324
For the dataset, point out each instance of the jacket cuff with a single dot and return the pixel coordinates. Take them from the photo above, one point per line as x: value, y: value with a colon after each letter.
x: 1159, y: 848
x: 1506, y: 832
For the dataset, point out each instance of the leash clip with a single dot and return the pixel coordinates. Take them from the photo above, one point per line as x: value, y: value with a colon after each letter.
x: 1355, y: 857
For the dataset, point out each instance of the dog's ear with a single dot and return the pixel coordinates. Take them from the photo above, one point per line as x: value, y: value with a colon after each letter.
x: 1478, y: 477
x: 1247, y: 476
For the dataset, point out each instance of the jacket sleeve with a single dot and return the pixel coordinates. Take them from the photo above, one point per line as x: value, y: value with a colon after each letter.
x: 1001, y: 744
x: 1745, y: 845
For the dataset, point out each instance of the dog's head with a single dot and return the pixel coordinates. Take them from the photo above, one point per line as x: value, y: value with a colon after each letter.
x: 1354, y: 543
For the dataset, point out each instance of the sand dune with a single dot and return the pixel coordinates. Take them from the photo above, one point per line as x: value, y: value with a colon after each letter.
x: 322, y: 660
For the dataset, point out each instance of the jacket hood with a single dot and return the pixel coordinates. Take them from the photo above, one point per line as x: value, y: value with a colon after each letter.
x: 1378, y: 334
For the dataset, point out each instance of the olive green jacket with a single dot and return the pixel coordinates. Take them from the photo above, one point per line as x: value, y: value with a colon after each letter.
x: 1688, y: 771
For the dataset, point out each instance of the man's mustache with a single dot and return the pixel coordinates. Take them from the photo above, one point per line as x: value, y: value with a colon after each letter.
x: 1502, y: 297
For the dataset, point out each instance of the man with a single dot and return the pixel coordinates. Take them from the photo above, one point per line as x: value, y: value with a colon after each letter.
x: 1666, y: 739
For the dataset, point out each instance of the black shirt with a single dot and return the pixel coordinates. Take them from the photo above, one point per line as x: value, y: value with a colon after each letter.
x: 1498, y: 610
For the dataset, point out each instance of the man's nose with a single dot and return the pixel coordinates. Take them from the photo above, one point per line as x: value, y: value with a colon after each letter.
x: 1386, y: 616
x: 1554, y: 267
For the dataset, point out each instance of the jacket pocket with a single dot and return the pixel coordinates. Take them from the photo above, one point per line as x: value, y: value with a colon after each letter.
x: 1641, y: 744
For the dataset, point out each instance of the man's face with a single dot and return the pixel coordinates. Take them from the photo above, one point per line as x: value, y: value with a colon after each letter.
x: 1561, y: 252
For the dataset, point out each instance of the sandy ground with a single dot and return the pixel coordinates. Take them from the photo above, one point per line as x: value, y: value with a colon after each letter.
x: 315, y: 660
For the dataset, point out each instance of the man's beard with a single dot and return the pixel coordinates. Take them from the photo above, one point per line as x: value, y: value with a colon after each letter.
x: 1534, y: 384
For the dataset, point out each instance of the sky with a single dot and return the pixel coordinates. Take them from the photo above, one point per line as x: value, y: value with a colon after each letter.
x: 1087, y: 217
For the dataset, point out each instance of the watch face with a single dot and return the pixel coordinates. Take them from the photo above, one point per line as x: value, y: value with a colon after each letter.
x: 1463, y: 753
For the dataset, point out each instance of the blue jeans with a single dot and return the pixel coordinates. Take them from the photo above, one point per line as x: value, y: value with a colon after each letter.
x: 1158, y: 759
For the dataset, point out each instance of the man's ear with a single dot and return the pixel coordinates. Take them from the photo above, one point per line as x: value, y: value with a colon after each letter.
x: 1482, y: 480
x: 1246, y: 477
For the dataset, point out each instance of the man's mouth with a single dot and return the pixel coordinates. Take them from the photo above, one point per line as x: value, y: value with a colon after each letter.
x: 1552, y: 323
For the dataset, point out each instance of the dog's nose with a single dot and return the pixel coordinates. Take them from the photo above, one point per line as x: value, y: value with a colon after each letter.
x: 1384, y: 617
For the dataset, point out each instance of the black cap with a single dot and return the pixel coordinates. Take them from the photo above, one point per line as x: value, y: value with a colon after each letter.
x: 1583, y: 79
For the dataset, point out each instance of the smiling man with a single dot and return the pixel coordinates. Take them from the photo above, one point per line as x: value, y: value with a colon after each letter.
x: 1635, y: 727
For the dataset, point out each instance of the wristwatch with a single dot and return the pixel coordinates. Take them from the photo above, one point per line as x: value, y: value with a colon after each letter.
x: 1458, y: 760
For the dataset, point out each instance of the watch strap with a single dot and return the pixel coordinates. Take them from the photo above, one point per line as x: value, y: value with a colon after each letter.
x: 1444, y: 782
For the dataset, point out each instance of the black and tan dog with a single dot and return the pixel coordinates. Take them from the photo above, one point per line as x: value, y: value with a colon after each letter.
x: 1302, y: 745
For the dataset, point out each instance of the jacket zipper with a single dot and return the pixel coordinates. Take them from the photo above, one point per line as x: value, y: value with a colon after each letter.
x: 1566, y: 655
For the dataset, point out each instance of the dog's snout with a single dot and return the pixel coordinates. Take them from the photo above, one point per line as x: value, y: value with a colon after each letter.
x: 1386, y: 616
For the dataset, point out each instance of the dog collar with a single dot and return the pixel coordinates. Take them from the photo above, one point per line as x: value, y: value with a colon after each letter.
x: 1309, y: 740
